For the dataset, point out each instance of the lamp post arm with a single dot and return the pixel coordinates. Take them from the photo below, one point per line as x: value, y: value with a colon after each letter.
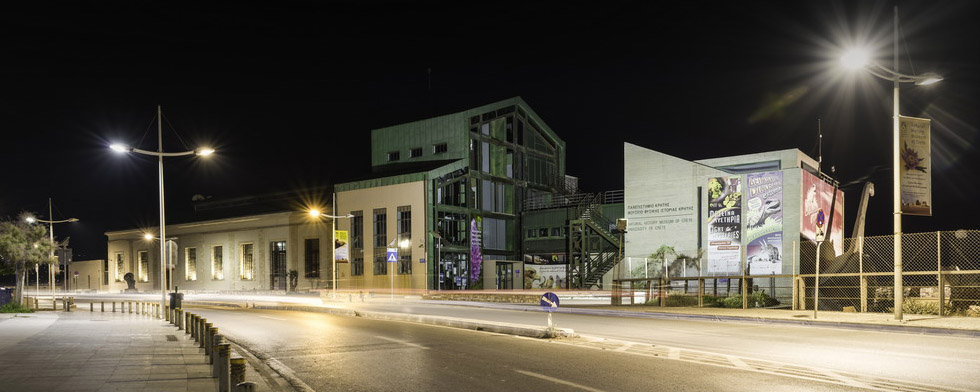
x: 162, y: 154
x: 56, y: 221
x: 891, y: 75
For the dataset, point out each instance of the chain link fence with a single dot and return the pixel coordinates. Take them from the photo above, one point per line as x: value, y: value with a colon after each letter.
x: 940, y: 276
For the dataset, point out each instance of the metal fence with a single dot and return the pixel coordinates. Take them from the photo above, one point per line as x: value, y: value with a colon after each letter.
x: 941, y: 276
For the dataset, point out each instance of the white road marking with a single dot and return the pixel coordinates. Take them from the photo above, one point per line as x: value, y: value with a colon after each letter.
x: 273, y: 318
x: 410, y: 344
x: 557, y: 381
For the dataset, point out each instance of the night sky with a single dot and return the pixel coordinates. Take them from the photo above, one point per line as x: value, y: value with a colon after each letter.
x: 289, y: 91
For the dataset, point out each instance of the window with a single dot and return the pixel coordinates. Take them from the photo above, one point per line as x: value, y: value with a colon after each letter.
x: 543, y: 232
x: 120, y: 267
x: 439, y: 148
x: 357, y: 243
x: 415, y: 152
x: 312, y: 257
x: 380, y: 241
x: 531, y: 233
x: 495, y: 233
x: 144, y: 265
x: 217, y: 262
x: 556, y: 231
x: 393, y: 156
x: 105, y: 271
x: 190, y: 264
x: 248, y: 263
x: 404, y: 236
x: 452, y: 194
x: 380, y: 261
x: 380, y: 228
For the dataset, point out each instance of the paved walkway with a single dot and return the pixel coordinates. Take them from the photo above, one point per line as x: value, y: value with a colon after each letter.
x: 82, y: 351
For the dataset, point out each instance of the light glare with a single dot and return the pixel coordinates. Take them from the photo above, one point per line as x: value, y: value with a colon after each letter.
x: 119, y: 147
x: 855, y: 58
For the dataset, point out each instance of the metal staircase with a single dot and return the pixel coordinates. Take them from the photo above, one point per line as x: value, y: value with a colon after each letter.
x: 593, y: 248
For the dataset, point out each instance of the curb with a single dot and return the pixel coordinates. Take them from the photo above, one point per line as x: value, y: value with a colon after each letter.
x: 908, y: 329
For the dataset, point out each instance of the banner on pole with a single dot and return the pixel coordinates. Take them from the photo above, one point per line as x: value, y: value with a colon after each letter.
x: 915, y: 161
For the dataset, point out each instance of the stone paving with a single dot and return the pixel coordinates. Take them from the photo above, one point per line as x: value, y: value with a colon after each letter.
x: 83, y: 351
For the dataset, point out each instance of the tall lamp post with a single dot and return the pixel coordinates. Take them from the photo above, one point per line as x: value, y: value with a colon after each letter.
x: 203, y: 151
x: 857, y: 59
x: 315, y: 213
x: 31, y: 220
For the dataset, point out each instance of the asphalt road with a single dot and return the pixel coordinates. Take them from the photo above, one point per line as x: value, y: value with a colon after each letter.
x: 942, y: 361
x: 334, y: 353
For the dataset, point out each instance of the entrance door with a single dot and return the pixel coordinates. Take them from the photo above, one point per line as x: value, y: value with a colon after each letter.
x: 277, y: 265
x: 453, y: 272
x: 505, y: 276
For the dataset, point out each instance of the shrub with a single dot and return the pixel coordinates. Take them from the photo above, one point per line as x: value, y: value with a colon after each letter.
x: 757, y: 299
x: 12, y: 308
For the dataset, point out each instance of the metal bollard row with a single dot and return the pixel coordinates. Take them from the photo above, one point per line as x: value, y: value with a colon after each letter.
x: 229, y: 371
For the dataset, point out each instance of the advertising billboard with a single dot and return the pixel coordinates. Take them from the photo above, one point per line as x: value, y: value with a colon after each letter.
x: 549, y: 276
x: 817, y: 197
x: 476, y: 253
x: 915, y: 160
x: 764, y: 223
x: 724, y: 225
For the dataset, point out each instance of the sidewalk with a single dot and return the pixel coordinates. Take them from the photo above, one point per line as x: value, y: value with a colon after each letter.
x: 83, y: 351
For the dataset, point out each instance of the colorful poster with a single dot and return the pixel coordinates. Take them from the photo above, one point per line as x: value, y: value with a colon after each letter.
x: 915, y: 159
x: 476, y: 254
x: 724, y: 225
x: 764, y: 223
x: 551, y: 276
x: 817, y: 197
x: 341, y: 250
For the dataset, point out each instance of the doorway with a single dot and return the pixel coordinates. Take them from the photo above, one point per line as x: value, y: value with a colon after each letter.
x: 277, y: 265
x: 505, y: 276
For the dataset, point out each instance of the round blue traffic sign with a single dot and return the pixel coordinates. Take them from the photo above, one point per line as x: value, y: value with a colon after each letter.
x: 549, y: 301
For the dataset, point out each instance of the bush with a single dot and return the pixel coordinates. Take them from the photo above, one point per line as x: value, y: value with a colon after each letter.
x: 12, y: 308
x: 918, y: 306
x: 757, y: 299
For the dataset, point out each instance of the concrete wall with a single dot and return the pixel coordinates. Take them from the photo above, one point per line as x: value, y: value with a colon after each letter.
x: 389, y: 197
x: 89, y: 275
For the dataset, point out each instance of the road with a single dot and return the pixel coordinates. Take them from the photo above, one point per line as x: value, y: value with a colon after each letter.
x: 329, y: 352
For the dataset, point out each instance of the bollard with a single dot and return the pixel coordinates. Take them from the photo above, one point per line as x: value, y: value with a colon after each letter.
x: 209, y: 350
x: 200, y: 331
x: 37, y: 303
x: 179, y: 318
x: 194, y: 332
x: 102, y: 305
x: 130, y: 303
x: 206, y: 338
x: 236, y: 370
x: 67, y: 308
x: 221, y: 366
x: 215, y: 341
x: 187, y: 323
x: 247, y: 386
x: 91, y: 307
x: 113, y: 306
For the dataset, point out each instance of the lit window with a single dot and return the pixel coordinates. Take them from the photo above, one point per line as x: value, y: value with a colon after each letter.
x: 393, y: 156
x: 190, y: 264
x: 248, y: 263
x: 144, y: 265
x: 440, y: 148
x: 217, y: 263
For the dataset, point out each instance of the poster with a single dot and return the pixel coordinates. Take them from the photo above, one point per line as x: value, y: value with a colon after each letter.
x: 915, y: 161
x: 724, y: 225
x: 476, y: 254
x: 817, y: 196
x: 764, y: 223
x: 341, y: 249
x: 552, y: 276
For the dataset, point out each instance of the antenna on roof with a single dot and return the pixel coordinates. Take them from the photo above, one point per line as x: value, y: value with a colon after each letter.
x: 819, y: 145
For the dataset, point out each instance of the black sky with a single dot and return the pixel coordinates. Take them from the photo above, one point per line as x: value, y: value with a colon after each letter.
x: 289, y: 91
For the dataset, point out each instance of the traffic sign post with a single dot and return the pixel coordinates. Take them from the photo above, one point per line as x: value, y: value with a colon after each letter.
x: 549, y: 302
x: 392, y: 257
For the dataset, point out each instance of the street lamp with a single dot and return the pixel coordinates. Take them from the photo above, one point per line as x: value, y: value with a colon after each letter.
x: 203, y: 151
x: 32, y: 220
x: 316, y: 214
x: 858, y: 59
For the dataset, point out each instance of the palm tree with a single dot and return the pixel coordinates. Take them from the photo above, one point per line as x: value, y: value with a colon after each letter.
x: 22, y: 246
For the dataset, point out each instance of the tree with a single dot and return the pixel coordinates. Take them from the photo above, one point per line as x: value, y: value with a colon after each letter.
x: 23, y: 246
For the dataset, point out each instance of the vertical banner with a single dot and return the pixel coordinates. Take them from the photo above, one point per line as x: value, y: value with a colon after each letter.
x: 476, y: 254
x: 341, y: 250
x: 817, y: 196
x: 915, y: 158
x: 724, y: 225
x: 764, y: 223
